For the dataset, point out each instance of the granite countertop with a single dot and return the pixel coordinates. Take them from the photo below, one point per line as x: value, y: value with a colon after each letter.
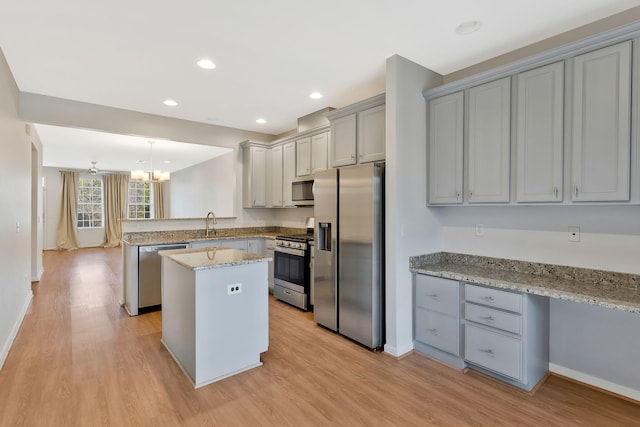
x: 214, y: 257
x: 184, y: 236
x: 609, y: 289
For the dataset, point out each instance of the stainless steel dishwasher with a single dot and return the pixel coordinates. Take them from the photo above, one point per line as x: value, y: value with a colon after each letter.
x: 149, y: 275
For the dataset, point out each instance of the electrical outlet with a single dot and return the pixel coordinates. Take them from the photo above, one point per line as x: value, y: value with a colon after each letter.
x: 479, y: 230
x: 574, y: 233
x: 234, y: 288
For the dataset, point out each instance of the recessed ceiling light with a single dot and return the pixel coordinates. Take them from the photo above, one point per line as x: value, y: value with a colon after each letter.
x: 166, y: 162
x: 140, y: 161
x: 207, y: 64
x: 170, y: 102
x: 468, y: 27
x: 315, y: 95
x: 261, y: 121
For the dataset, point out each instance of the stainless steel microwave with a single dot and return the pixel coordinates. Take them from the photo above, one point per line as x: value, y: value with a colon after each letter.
x: 302, y: 191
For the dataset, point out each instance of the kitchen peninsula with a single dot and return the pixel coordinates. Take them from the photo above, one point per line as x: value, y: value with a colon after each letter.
x: 215, y: 320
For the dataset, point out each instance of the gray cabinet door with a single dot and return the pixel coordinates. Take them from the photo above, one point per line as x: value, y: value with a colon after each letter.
x: 343, y: 141
x: 276, y: 176
x: 489, y: 142
x: 259, y: 176
x: 319, y: 152
x: 371, y: 134
x: 288, y: 172
x: 446, y: 131
x: 539, y: 134
x: 600, y: 150
x: 303, y: 156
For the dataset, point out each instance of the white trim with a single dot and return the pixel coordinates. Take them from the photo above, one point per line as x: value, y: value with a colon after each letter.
x: 398, y: 352
x: 14, y: 331
x: 595, y: 381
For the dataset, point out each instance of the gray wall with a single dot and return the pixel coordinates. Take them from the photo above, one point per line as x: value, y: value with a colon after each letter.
x: 15, y: 193
x: 410, y: 227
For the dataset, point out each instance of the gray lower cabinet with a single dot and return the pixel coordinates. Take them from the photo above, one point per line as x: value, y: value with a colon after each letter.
x: 506, y: 334
x: 501, y: 333
x: 437, y: 318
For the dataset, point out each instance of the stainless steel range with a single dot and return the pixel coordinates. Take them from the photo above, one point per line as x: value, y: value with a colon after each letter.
x: 291, y: 272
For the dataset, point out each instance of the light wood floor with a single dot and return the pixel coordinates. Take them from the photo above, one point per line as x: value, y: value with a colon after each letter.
x: 80, y: 360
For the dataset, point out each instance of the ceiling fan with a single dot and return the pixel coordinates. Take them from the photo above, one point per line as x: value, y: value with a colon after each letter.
x: 93, y: 170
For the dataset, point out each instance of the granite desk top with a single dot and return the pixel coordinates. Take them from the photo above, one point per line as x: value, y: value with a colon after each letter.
x: 213, y: 257
x: 609, y: 289
x: 183, y: 236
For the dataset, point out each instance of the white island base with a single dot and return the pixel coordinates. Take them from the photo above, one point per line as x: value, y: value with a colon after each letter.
x: 211, y: 331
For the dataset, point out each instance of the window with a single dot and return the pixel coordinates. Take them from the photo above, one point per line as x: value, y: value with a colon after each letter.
x: 89, y: 202
x: 139, y: 200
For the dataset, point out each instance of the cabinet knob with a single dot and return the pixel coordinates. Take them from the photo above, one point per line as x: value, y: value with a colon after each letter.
x: 555, y: 191
x: 576, y: 191
x: 489, y: 318
x: 457, y: 195
x: 488, y: 298
x: 488, y: 352
x: 432, y: 295
x: 470, y: 194
x: 433, y: 331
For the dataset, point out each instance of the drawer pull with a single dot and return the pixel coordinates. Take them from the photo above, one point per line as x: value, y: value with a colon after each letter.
x: 432, y: 295
x: 287, y: 292
x: 488, y: 352
x: 433, y: 331
x: 488, y: 318
x: 488, y: 298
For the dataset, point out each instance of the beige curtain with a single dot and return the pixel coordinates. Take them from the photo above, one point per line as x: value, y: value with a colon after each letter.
x: 158, y: 200
x: 115, y: 207
x: 66, y: 236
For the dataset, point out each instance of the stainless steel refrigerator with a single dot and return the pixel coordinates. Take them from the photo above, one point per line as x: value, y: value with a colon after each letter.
x: 349, y: 253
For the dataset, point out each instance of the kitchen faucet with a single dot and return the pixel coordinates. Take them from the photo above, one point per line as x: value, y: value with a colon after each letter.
x: 206, y: 221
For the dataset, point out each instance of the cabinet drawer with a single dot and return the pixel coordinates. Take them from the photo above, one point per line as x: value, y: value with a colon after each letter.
x: 494, y: 318
x: 438, y: 330
x: 494, y: 298
x: 435, y: 293
x: 494, y: 351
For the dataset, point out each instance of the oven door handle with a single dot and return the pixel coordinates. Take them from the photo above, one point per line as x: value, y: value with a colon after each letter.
x: 290, y: 251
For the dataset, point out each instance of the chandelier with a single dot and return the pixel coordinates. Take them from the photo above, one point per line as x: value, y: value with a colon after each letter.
x: 151, y: 175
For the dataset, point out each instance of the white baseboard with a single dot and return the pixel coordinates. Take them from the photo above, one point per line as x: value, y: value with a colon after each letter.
x: 14, y: 331
x: 398, y: 351
x: 595, y: 381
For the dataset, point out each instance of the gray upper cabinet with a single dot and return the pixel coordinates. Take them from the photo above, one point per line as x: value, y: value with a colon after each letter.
x: 254, y: 175
x: 445, y: 149
x: 303, y: 156
x: 276, y: 176
x: 539, y: 134
x: 358, y: 132
x: 343, y: 141
x: 288, y: 172
x: 489, y: 142
x: 600, y: 150
x: 371, y: 134
x: 319, y: 152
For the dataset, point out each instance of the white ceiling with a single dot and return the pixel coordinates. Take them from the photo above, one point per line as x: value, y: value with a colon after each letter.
x: 77, y: 148
x: 270, y: 54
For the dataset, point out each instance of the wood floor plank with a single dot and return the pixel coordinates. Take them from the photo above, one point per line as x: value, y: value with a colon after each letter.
x: 80, y: 360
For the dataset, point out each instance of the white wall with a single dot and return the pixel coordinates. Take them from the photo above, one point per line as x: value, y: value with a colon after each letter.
x: 410, y: 228
x: 15, y: 193
x: 207, y: 186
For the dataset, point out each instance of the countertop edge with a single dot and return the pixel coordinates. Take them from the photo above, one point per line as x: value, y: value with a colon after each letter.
x: 535, y: 290
x: 252, y: 258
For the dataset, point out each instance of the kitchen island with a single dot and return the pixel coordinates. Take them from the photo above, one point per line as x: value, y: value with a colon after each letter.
x: 215, y: 320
